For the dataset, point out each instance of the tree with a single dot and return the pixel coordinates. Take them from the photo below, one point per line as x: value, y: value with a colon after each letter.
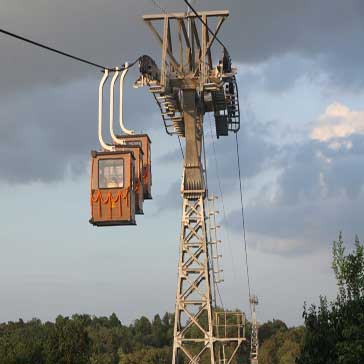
x: 148, y: 356
x: 335, y: 331
x: 22, y: 343
x: 68, y: 343
x: 283, y: 347
x: 270, y: 328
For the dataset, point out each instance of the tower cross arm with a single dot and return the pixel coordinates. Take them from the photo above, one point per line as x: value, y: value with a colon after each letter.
x: 222, y: 19
x: 208, y: 14
x: 161, y: 41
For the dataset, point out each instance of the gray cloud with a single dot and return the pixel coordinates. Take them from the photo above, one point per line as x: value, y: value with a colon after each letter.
x: 314, y: 169
x: 103, y: 32
x: 292, y: 39
x: 48, y: 103
x: 257, y: 153
x: 303, y: 227
x: 171, y: 157
x: 280, y: 74
x: 327, y: 32
x: 171, y: 200
x: 319, y: 193
x: 43, y: 142
x: 49, y: 133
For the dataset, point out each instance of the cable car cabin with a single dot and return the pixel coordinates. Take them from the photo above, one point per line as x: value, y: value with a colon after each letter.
x: 112, y: 188
x: 144, y: 142
x: 139, y: 170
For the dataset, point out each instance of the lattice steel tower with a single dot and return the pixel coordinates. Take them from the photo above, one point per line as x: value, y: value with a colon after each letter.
x: 187, y: 86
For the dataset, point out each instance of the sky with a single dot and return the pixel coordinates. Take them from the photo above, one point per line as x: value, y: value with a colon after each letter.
x: 301, y: 147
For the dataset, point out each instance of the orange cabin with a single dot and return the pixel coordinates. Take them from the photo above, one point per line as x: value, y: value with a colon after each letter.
x: 144, y: 142
x: 139, y: 169
x: 112, y: 196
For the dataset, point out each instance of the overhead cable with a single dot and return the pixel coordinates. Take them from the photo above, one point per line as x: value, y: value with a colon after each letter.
x: 243, y: 218
x: 180, y: 146
x: 214, y: 35
x: 54, y: 50
x: 222, y: 197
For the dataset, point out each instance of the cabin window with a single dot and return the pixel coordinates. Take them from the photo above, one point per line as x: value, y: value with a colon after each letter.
x: 111, y: 173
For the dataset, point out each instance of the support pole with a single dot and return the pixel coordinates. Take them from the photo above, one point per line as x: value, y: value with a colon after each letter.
x: 254, y: 344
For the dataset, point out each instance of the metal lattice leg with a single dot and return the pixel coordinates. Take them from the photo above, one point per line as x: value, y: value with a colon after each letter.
x: 193, y: 329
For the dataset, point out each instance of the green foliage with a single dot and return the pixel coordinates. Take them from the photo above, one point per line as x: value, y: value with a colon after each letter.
x: 22, y: 343
x: 67, y: 342
x: 335, y: 331
x: 148, y: 356
x: 349, y: 271
x: 83, y: 339
x: 270, y: 328
x: 283, y: 346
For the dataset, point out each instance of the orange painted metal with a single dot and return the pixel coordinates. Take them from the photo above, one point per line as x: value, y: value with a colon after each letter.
x: 139, y: 170
x: 144, y: 142
x: 112, y: 195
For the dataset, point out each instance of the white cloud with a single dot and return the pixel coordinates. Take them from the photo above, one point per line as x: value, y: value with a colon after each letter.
x: 337, y: 145
x: 322, y: 157
x: 277, y: 245
x: 337, y: 122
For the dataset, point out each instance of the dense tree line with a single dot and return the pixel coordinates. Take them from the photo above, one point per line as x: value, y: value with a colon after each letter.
x: 83, y: 339
x: 333, y: 332
x: 279, y: 344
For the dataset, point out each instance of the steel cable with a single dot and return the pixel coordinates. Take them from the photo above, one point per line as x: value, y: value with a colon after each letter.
x: 57, y: 51
x: 243, y: 220
x: 222, y: 198
x: 214, y: 36
x: 27, y: 40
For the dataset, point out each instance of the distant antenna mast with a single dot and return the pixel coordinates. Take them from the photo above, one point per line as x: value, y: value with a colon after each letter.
x: 254, y: 336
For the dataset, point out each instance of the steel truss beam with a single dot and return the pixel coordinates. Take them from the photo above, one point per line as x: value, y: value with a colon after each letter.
x: 193, y: 47
x: 211, y: 13
x: 193, y: 318
x: 197, y: 335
